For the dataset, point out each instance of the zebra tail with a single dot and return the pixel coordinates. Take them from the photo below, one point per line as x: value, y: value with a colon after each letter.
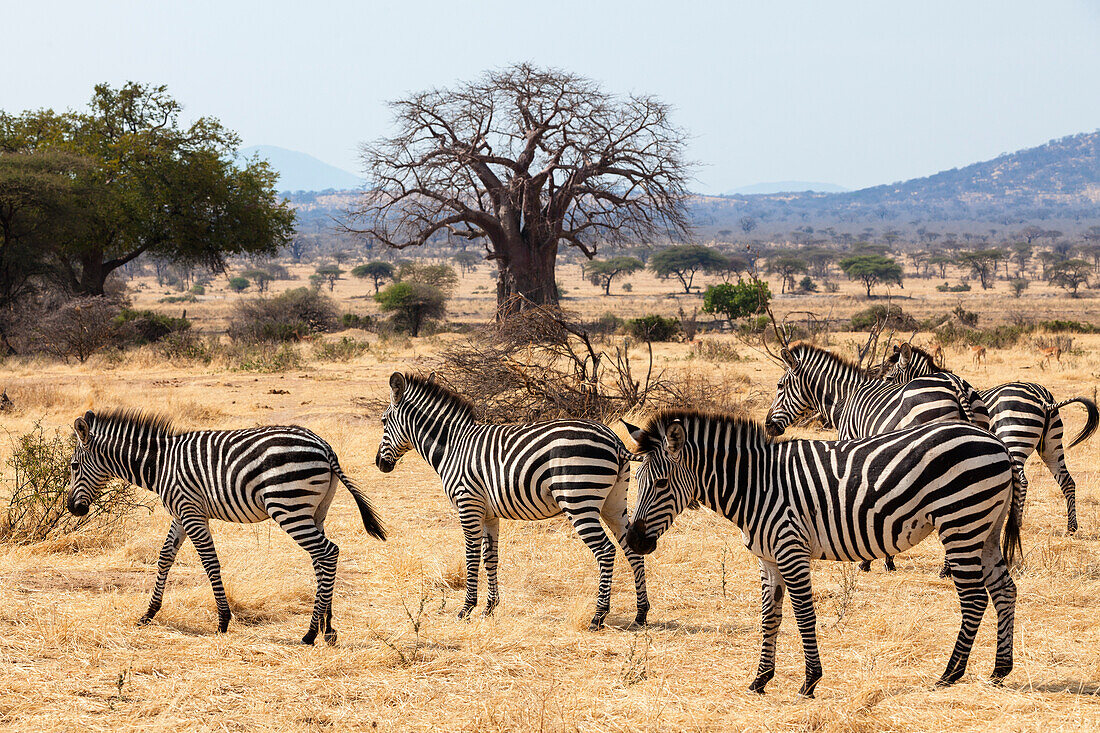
x: 1090, y: 425
x: 371, y: 522
x: 1012, y: 546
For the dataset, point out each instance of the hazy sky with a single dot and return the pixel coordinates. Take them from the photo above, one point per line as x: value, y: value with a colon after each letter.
x: 853, y: 93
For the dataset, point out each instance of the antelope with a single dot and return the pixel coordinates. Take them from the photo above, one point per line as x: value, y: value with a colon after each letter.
x: 978, y: 352
x: 1048, y: 352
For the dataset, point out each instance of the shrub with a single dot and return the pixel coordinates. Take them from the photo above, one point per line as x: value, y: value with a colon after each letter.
x: 967, y: 318
x: 198, y: 289
x: 895, y: 318
x: 960, y: 288
x: 187, y: 346
x: 354, y: 320
x: 606, y: 325
x: 77, y: 328
x: 343, y: 350
x: 441, y: 277
x: 39, y: 486
x: 145, y: 327
x: 290, y: 316
x: 412, y: 305
x: 713, y: 350
x: 1067, y: 327
x: 627, y: 288
x: 807, y: 285
x: 1019, y: 285
x: 653, y: 328
x: 238, y: 284
x: 735, y: 301
x: 187, y: 298
x: 832, y: 287
x: 264, y: 357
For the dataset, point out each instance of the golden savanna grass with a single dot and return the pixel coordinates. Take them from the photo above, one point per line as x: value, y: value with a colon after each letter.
x: 72, y: 657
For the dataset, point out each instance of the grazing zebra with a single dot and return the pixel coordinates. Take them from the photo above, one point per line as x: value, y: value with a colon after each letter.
x: 800, y: 500
x: 859, y: 405
x: 1022, y: 414
x: 283, y: 473
x: 494, y: 472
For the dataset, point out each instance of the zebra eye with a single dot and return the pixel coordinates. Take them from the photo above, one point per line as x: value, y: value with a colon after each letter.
x: 661, y: 483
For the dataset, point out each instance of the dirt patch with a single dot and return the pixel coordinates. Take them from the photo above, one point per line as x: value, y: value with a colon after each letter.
x: 89, y: 580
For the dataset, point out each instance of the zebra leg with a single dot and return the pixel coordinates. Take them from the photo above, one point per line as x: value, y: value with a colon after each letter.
x: 614, y: 513
x: 472, y: 518
x: 794, y: 566
x: 1002, y: 590
x: 325, y: 554
x: 167, y: 557
x: 771, y: 615
x: 1054, y: 456
x: 587, y: 523
x: 490, y: 558
x: 198, y: 529
x: 973, y: 599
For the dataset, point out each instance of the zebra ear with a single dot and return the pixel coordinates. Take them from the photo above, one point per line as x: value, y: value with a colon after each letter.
x: 674, y: 438
x: 636, y: 433
x: 905, y: 353
x: 81, y: 428
x: 789, y: 359
x: 397, y: 387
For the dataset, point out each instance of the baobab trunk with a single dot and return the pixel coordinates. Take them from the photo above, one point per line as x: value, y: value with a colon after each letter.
x: 528, y: 271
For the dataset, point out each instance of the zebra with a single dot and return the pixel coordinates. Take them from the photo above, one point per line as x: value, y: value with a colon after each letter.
x: 526, y: 472
x: 859, y: 405
x: 800, y: 500
x: 284, y: 473
x: 1022, y: 414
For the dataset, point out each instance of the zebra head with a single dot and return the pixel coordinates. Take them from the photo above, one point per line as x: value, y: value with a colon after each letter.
x: 89, y: 474
x: 793, y: 396
x: 904, y: 364
x: 665, y: 486
x: 396, y: 440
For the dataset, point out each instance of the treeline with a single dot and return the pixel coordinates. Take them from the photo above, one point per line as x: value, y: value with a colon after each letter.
x: 85, y: 193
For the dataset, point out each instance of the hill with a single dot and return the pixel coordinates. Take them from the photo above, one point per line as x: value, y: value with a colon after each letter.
x: 787, y: 186
x: 301, y: 171
x: 1058, y: 180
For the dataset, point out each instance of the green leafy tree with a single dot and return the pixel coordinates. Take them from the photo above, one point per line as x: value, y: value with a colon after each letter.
x: 442, y: 277
x: 871, y: 269
x: 941, y: 261
x: 683, y: 261
x: 1021, y: 254
x: 467, y: 261
x: 262, y: 278
x: 735, y: 301
x: 1070, y: 275
x: 787, y: 265
x: 982, y: 264
x: 239, y: 284
x: 155, y: 186
x: 329, y: 274
x: 412, y: 305
x: 377, y: 271
x: 602, y: 272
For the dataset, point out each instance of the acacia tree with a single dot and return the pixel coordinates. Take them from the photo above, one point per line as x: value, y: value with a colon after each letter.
x: 526, y: 159
x: 871, y: 269
x: 1070, y: 275
x: 377, y: 271
x: 982, y: 263
x: 603, y: 272
x: 684, y: 260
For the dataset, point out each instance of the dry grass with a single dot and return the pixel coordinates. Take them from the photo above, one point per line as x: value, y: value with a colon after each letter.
x: 72, y: 657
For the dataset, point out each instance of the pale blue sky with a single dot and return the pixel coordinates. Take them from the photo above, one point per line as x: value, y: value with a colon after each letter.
x: 854, y: 93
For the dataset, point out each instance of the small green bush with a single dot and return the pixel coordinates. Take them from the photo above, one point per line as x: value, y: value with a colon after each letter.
x: 134, y: 327
x: 1067, y: 327
x: 265, y: 357
x: 354, y: 320
x: 188, y: 298
x: 653, y: 328
x: 960, y: 288
x: 895, y: 318
x: 39, y: 485
x: 198, y: 289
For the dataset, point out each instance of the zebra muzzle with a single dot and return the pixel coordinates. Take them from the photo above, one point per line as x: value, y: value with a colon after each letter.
x: 637, y: 540
x: 78, y: 508
x: 773, y: 429
x: 383, y: 465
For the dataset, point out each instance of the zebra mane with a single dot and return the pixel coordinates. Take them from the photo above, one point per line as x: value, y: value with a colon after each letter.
x: 803, y: 350
x: 653, y: 433
x: 135, y: 418
x: 430, y: 388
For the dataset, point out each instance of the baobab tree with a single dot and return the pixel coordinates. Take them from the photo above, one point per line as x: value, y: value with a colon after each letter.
x: 525, y: 159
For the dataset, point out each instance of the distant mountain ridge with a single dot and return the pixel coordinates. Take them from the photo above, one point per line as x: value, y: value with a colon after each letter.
x: 787, y: 187
x: 302, y: 172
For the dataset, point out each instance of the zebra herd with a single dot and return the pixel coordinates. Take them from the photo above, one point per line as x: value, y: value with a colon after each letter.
x: 919, y: 450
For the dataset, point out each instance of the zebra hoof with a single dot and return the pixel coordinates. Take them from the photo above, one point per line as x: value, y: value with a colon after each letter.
x: 640, y: 619
x: 465, y: 612
x: 330, y: 636
x: 999, y: 673
x: 223, y: 622
x: 865, y: 566
x: 144, y: 620
x: 597, y: 622
x: 490, y: 606
x: 890, y: 566
x: 310, y: 637
x: 1071, y: 528
x: 761, y: 681
x: 950, y: 677
x: 807, y: 689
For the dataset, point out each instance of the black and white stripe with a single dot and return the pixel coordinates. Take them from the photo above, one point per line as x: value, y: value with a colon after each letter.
x: 284, y: 473
x: 1022, y: 414
x: 526, y: 472
x: 801, y: 500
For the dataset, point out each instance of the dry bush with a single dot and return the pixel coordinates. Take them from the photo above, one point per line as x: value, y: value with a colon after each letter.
x: 77, y: 328
x: 39, y: 486
x: 541, y: 364
x: 290, y: 316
